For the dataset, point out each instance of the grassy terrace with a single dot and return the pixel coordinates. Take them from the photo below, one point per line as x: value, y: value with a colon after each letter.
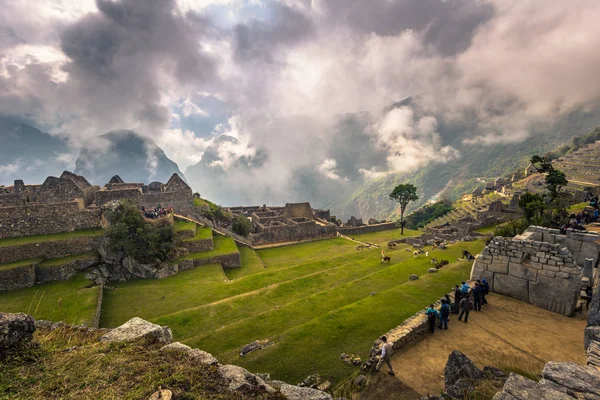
x: 52, y: 262
x: 184, y: 226
x: 49, y: 238
x: 201, y: 234
x: 313, y: 299
x: 221, y: 245
x: 70, y: 301
x: 22, y: 263
x: 381, y: 238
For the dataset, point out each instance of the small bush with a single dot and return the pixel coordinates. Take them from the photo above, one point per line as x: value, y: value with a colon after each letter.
x: 511, y: 228
x: 428, y: 213
x: 241, y: 225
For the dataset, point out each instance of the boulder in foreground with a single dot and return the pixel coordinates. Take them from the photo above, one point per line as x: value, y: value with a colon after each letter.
x: 14, y: 329
x: 137, y: 329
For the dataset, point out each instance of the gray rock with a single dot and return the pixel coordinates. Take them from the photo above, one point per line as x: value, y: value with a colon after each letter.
x: 136, y: 329
x: 460, y: 389
x: 202, y: 357
x: 520, y: 387
x: 591, y: 333
x: 432, y: 270
x: 504, y: 396
x: 256, y: 345
x: 239, y: 379
x: 360, y: 380
x: 573, y: 376
x: 494, y: 373
x: 264, y: 376
x: 177, y: 347
x: 413, y: 277
x: 292, y: 392
x: 459, y: 366
x: 57, y: 325
x: 15, y: 328
x: 43, y: 324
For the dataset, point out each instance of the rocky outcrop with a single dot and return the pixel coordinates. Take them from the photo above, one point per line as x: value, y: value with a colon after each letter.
x: 458, y: 367
x: 14, y: 329
x: 139, y: 329
x: 116, y: 267
x: 292, y: 392
x: 196, y: 356
x: 239, y: 379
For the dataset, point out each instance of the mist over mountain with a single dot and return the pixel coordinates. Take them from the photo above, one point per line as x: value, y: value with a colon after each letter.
x: 125, y: 153
x: 29, y: 154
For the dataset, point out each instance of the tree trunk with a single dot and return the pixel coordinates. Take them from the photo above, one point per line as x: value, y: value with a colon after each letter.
x: 402, y: 223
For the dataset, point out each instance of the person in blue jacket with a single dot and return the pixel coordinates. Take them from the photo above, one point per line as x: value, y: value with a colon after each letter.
x: 444, y: 314
x: 465, y: 288
x: 432, y: 315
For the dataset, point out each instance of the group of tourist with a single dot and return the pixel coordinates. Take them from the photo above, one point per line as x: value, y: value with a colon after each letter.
x: 157, y: 212
x: 466, y: 298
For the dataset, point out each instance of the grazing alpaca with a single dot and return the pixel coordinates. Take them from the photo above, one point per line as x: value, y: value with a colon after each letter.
x: 434, y: 260
x: 386, y: 259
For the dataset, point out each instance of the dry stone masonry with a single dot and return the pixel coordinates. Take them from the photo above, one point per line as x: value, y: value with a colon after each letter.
x: 541, y: 273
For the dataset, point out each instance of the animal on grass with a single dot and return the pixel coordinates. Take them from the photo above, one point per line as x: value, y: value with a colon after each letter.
x: 417, y: 252
x: 434, y: 260
x: 360, y: 247
x: 386, y: 259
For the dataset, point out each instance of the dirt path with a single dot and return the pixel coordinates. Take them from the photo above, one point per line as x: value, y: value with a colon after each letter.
x: 507, y: 331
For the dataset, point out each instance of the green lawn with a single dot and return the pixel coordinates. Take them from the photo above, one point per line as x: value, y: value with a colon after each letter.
x: 487, y: 229
x: 70, y: 301
x: 52, y: 262
x: 22, y: 263
x: 251, y: 264
x: 49, y: 238
x: 221, y: 245
x: 575, y: 208
x: 201, y: 234
x: 184, y: 226
x: 381, y: 238
x: 314, y: 299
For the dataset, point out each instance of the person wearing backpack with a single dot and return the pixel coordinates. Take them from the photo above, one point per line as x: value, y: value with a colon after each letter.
x: 444, y: 314
x: 432, y: 315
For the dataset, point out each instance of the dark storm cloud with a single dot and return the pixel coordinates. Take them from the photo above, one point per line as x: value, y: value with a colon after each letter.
x: 260, y: 39
x: 448, y: 25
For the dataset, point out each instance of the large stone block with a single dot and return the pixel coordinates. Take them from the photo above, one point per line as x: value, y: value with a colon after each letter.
x: 511, y: 286
x: 17, y: 278
x: 521, y: 271
x: 500, y: 267
x: 15, y: 328
x: 558, y: 295
x: 136, y: 329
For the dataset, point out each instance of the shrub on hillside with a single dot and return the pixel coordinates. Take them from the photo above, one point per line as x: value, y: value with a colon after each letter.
x: 511, y: 228
x: 428, y: 213
x: 144, y: 241
x: 241, y: 225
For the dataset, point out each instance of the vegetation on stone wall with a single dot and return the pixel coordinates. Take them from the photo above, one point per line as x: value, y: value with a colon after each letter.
x: 137, y: 238
x: 212, y: 211
x: 576, y: 143
x: 241, y: 225
x: 428, y: 213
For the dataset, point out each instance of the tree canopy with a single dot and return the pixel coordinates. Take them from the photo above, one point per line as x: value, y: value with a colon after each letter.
x: 404, y: 194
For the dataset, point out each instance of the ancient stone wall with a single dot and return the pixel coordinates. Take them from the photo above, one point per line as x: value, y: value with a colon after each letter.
x: 581, y: 244
x: 98, y: 313
x: 53, y: 273
x: 54, y: 249
x: 297, y: 210
x: 57, y: 190
x: 233, y: 260
x: 40, y: 219
x: 104, y: 196
x: 367, y: 228
x: 543, y: 274
x: 293, y: 233
x: 181, y: 201
x: 17, y: 278
x: 195, y: 246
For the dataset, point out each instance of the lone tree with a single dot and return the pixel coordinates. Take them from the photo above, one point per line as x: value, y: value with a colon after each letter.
x: 404, y: 194
x: 555, y: 179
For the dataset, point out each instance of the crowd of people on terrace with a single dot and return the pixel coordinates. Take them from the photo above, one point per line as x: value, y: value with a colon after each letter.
x: 157, y: 212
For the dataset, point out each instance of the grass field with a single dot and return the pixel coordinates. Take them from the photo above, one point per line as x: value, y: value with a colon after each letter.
x: 68, y: 301
x: 381, y: 238
x: 221, y: 245
x: 51, y: 262
x: 313, y: 300
x: 49, y: 238
x: 201, y: 233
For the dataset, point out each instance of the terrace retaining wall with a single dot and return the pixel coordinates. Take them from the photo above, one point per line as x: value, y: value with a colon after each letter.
x: 52, y: 273
x: 367, y: 228
x: 98, y: 313
x: 195, y: 246
x: 233, y: 260
x: 54, y: 249
x: 17, y: 278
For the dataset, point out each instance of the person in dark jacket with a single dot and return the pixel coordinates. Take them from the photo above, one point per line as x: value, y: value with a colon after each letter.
x: 465, y: 307
x: 432, y: 315
x: 457, y: 297
x: 486, y: 290
x: 444, y: 314
x: 477, y: 296
x: 589, y: 295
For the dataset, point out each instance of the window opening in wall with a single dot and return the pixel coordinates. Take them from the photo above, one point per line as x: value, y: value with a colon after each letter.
x: 526, y: 260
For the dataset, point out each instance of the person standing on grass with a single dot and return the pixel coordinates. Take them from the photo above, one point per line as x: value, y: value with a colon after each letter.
x: 477, y: 296
x: 465, y: 307
x: 444, y: 314
x: 386, y: 356
x: 432, y: 315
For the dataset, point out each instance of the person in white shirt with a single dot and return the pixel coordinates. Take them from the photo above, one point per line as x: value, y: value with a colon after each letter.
x: 386, y: 356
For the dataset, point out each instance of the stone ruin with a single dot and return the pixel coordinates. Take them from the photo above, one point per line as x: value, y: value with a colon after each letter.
x: 71, y: 203
x: 291, y: 223
x: 541, y: 266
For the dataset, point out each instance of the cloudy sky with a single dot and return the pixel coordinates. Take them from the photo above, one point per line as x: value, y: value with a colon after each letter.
x: 301, y: 91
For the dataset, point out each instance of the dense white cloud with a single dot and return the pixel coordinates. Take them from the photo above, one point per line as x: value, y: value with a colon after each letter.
x: 290, y: 73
